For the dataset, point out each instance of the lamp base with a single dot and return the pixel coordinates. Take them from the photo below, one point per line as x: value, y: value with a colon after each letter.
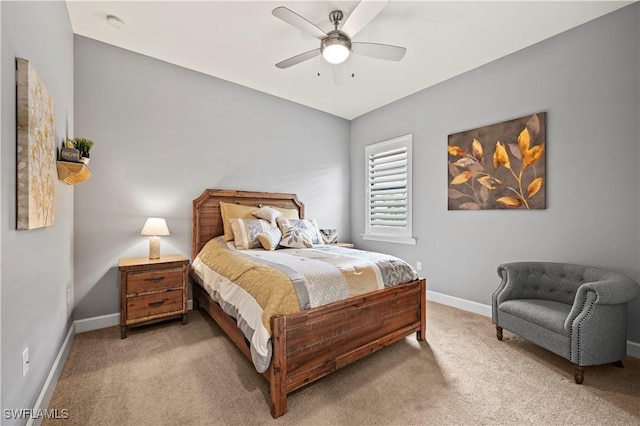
x: 154, y: 247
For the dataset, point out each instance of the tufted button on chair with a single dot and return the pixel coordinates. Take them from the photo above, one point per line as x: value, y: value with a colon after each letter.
x: 577, y: 312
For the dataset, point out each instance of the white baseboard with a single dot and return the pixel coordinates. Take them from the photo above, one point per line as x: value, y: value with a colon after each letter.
x: 105, y: 321
x: 95, y: 323
x: 52, y: 379
x: 456, y: 302
x: 633, y: 348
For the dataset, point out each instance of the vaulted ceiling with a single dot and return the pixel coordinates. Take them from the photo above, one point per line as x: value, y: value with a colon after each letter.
x: 241, y: 41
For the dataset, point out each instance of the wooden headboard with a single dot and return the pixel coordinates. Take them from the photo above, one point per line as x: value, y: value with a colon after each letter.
x: 207, y: 221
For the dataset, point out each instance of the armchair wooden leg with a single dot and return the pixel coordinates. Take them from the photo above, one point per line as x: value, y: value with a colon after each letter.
x: 578, y: 374
x: 499, y: 332
x: 619, y: 364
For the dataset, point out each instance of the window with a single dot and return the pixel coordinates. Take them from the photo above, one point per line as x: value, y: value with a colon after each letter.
x: 388, y: 196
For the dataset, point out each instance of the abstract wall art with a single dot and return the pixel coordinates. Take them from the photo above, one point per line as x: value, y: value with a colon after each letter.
x: 36, y: 151
x: 500, y: 166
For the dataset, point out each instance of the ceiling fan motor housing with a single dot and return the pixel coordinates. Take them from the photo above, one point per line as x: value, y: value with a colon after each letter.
x: 336, y: 37
x: 335, y: 17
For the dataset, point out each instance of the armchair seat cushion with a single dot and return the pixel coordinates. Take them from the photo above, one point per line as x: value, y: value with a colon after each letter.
x: 545, y: 313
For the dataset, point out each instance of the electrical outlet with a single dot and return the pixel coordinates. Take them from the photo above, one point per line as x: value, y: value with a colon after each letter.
x: 25, y: 362
x: 419, y: 265
x: 68, y: 296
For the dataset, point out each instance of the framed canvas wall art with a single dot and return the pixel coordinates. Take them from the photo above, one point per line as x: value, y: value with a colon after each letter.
x: 36, y: 151
x: 499, y: 166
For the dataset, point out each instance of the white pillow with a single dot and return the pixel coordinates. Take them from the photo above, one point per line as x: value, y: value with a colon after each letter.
x: 267, y: 213
x: 296, y: 237
x: 246, y: 231
x: 286, y: 213
x: 270, y: 239
x: 309, y: 224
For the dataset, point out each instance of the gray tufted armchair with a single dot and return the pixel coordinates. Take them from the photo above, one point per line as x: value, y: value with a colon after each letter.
x: 577, y: 312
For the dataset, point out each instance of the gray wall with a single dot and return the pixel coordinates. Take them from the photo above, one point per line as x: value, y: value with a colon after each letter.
x: 162, y: 135
x: 587, y: 80
x: 37, y: 265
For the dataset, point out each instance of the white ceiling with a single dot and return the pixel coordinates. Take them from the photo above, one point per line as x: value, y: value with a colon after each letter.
x: 240, y: 41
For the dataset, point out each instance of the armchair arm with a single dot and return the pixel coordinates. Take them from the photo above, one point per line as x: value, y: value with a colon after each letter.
x: 597, y: 321
x: 508, y: 288
x: 615, y: 289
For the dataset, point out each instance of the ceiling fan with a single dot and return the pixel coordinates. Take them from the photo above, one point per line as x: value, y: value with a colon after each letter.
x: 336, y: 45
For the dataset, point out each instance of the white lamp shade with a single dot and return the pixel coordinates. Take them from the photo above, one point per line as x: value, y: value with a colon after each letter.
x: 155, y: 226
x: 335, y: 53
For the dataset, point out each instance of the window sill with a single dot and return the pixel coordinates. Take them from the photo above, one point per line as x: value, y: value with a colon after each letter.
x: 389, y: 239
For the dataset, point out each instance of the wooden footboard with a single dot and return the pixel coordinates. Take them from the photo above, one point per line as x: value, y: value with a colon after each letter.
x: 316, y: 342
x: 313, y: 343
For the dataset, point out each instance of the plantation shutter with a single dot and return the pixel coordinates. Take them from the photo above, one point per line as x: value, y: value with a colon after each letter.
x: 388, y: 190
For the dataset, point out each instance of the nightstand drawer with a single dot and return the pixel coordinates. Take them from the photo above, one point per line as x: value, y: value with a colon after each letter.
x: 159, y: 279
x: 154, y: 304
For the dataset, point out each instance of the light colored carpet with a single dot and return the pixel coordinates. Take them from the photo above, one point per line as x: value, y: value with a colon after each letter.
x: 174, y: 374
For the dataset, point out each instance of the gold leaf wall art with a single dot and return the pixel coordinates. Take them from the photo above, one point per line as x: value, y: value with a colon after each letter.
x: 500, y: 166
x: 36, y: 151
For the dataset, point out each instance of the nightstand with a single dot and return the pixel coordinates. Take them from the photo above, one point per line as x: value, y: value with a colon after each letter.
x: 152, y: 289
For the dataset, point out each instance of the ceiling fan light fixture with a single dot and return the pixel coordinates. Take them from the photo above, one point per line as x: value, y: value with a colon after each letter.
x: 336, y: 50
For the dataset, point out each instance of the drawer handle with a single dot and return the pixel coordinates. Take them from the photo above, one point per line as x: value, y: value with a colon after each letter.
x: 155, y: 304
x: 155, y: 279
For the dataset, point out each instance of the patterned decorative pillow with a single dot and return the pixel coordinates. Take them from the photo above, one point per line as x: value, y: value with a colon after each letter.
x: 270, y: 239
x: 267, y: 213
x: 296, y: 237
x: 229, y: 211
x: 309, y: 224
x: 329, y: 236
x: 246, y: 231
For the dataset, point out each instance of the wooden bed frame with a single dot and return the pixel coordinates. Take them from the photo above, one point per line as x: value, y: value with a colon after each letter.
x: 315, y: 342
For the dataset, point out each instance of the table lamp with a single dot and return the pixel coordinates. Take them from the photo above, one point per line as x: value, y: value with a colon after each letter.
x: 154, y: 227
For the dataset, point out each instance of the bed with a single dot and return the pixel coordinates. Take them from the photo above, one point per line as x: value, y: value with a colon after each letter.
x: 314, y: 342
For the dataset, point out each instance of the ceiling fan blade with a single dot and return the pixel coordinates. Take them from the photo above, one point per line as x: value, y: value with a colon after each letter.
x: 364, y: 12
x: 380, y: 51
x: 294, y: 60
x: 341, y: 73
x: 292, y: 18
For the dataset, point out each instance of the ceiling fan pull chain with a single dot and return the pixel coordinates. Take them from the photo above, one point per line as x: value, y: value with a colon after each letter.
x: 353, y: 65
